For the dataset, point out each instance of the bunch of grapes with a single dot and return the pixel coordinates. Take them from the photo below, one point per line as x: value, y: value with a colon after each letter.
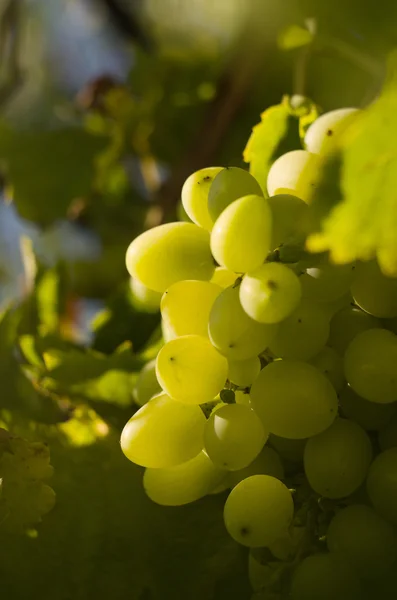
x: 277, y: 381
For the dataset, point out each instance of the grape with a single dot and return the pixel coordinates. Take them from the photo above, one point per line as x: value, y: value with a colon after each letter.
x: 388, y: 434
x: 240, y: 238
x: 293, y: 173
x: 320, y: 135
x: 288, y: 448
x: 258, y: 574
x: 185, y: 483
x: 233, y: 436
x: 271, y: 293
x: 243, y: 372
x: 331, y: 364
x: 258, y: 511
x: 331, y: 308
x: 382, y: 484
x: 267, y: 462
x: 168, y: 253
x: 327, y: 283
x: 190, y: 370
x: 229, y: 185
x: 233, y: 332
x: 346, y: 324
x: 242, y: 398
x: 287, y: 213
x: 362, y: 538
x: 303, y: 334
x: 337, y: 460
x: 325, y: 577
x: 186, y: 306
x: 195, y: 196
x: 223, y: 277
x: 374, y: 292
x: 371, y: 416
x: 370, y: 365
x: 293, y: 399
x: 144, y: 298
x: 163, y: 433
x: 146, y: 385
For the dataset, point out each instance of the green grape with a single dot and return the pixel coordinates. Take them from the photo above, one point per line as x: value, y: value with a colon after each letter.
x: 186, y: 306
x: 388, y: 433
x: 267, y: 462
x: 233, y: 332
x: 325, y: 577
x: 370, y: 365
x: 337, y: 460
x: 293, y: 399
x: 240, y: 238
x: 243, y: 372
x: 242, y: 398
x: 287, y: 213
x: 233, y: 436
x: 331, y: 308
x: 302, y: 334
x: 320, y: 136
x: 146, y: 385
x: 258, y: 511
x: 191, y: 370
x: 364, y: 539
x: 223, y: 277
x: 371, y: 416
x: 293, y: 173
x: 374, y: 292
x: 143, y: 298
x: 185, y: 483
x: 288, y: 448
x: 195, y: 196
x: 271, y: 293
x: 330, y: 363
x: 346, y: 324
x: 229, y: 185
x: 382, y: 484
x: 163, y: 433
x: 168, y: 253
x: 327, y: 283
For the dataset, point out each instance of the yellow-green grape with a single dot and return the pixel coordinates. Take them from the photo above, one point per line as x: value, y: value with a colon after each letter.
x: 371, y: 416
x: 168, y: 253
x: 330, y: 363
x: 233, y: 332
x: 191, y: 370
x: 243, y: 372
x: 388, y: 433
x: 374, y: 292
x: 267, y: 462
x: 229, y: 185
x: 346, y: 324
x: 286, y: 547
x: 242, y: 398
x: 186, y: 306
x: 327, y: 283
x: 382, y: 484
x: 166, y: 331
x: 240, y: 238
x: 144, y: 298
x: 337, y: 460
x: 363, y: 539
x: 271, y: 293
x: 233, y: 436
x: 331, y: 308
x: 223, y: 277
x: 320, y: 136
x: 302, y: 334
x: 370, y: 365
x: 258, y: 511
x: 325, y: 577
x: 288, y: 448
x: 195, y: 196
x: 293, y: 173
x: 293, y: 399
x: 185, y: 483
x: 163, y: 433
x: 146, y: 385
x: 287, y: 213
